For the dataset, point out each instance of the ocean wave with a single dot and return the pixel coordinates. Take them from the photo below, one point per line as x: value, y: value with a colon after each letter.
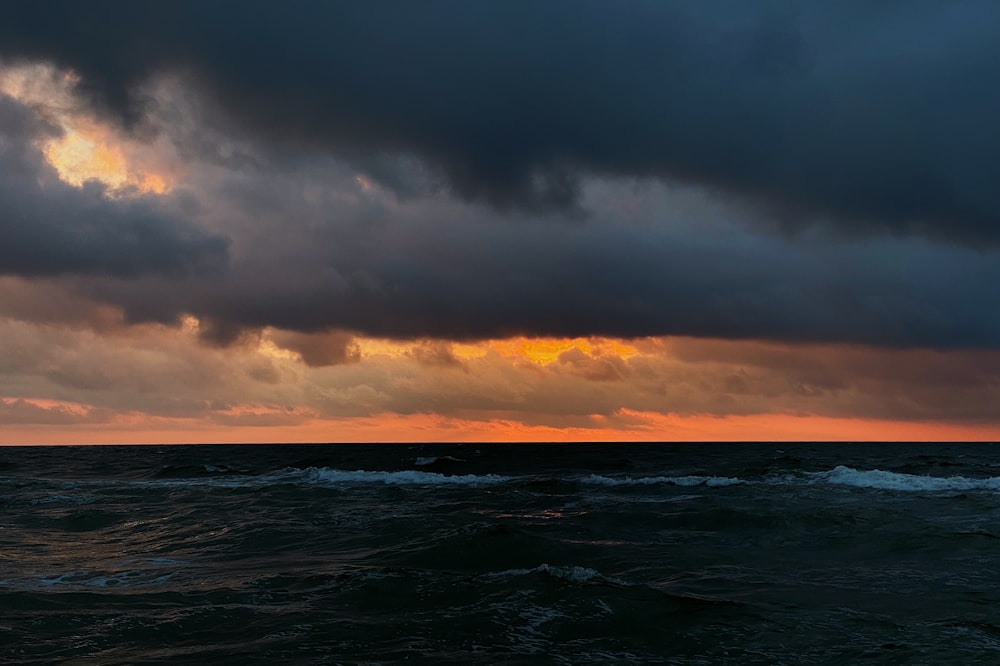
x: 710, y: 481
x: 327, y: 476
x: 881, y: 480
x: 323, y: 476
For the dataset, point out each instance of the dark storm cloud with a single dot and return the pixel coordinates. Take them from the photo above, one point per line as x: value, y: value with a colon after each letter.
x: 459, y: 272
x: 874, y: 117
x: 50, y: 228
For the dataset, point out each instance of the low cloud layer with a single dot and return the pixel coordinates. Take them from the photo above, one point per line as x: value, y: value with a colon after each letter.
x: 677, y: 264
x: 151, y: 373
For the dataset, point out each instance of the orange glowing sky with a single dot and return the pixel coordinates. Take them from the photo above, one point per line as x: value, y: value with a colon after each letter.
x: 427, y: 428
x: 266, y: 420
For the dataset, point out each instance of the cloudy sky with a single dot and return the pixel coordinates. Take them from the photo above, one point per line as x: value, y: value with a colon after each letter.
x: 518, y: 220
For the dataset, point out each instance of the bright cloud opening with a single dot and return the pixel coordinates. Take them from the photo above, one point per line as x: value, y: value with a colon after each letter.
x: 86, y: 149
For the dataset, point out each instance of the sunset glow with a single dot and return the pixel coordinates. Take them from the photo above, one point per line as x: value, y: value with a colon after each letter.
x: 86, y: 148
x: 82, y: 155
x: 430, y: 428
x: 196, y: 252
x: 547, y: 350
x: 516, y: 389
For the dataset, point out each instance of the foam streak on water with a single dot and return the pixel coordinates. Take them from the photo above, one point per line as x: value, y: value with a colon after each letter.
x: 688, y: 554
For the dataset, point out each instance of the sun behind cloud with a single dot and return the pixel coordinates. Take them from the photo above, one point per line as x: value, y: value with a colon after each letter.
x: 86, y: 149
x: 547, y: 350
x: 89, y: 152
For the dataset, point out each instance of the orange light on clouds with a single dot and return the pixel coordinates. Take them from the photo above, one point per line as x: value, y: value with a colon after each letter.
x: 154, y: 182
x: 49, y: 405
x: 429, y: 428
x: 87, y: 149
x: 547, y: 350
x: 541, y: 351
x: 82, y: 154
x: 77, y: 158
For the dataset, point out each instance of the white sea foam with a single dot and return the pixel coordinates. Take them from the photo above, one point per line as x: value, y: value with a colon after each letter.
x: 881, y: 480
x: 711, y: 481
x: 326, y: 476
x: 573, y: 573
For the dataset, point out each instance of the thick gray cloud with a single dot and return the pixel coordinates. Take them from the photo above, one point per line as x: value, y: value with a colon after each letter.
x: 50, y: 228
x: 477, y: 126
x: 676, y: 265
x: 873, y: 117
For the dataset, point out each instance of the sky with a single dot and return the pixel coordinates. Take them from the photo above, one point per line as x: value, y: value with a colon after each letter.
x: 565, y: 220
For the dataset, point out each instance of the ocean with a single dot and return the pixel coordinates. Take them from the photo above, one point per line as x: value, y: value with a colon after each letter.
x: 501, y: 554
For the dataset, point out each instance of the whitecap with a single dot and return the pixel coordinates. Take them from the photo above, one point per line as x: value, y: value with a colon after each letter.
x: 327, y: 476
x: 573, y: 573
x: 882, y: 480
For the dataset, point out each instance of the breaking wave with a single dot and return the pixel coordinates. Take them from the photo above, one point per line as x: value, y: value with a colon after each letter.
x: 880, y: 480
x: 322, y: 475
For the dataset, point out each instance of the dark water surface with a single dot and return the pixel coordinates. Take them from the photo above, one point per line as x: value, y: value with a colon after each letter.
x: 680, y: 554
